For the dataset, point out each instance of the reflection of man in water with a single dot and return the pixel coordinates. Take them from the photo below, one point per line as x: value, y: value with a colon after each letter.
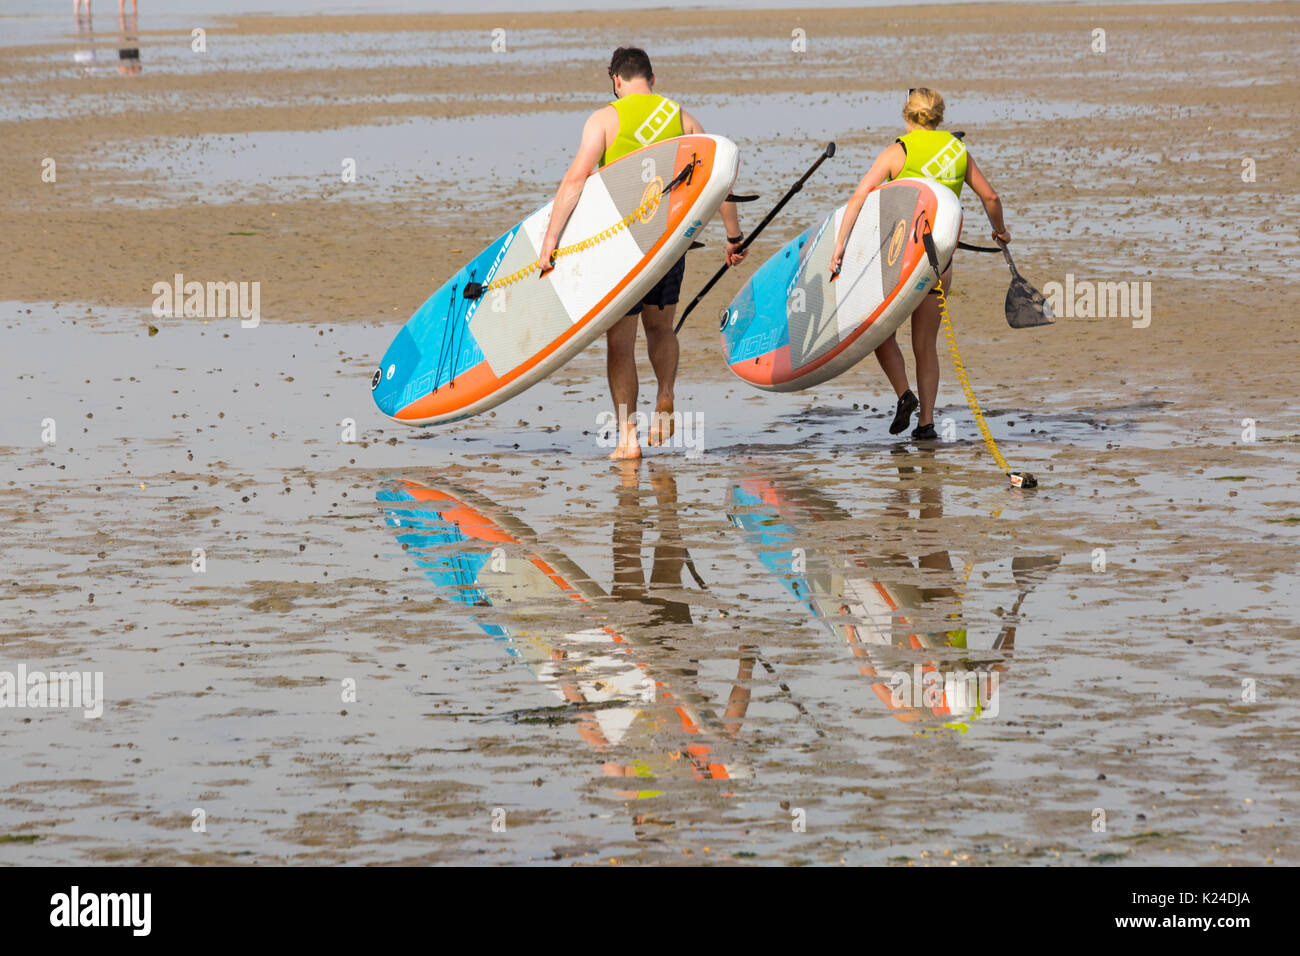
x: 128, y: 54
x: 631, y: 585
x: 670, y: 554
x: 85, y: 32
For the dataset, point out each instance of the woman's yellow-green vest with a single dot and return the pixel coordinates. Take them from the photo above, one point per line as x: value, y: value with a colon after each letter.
x: 934, y: 154
x: 643, y: 118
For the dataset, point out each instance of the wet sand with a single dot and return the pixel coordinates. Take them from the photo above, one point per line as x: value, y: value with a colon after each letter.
x: 734, y: 688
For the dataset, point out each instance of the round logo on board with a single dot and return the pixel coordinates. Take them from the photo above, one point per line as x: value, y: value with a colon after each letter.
x: 896, y: 242
x: 650, y: 199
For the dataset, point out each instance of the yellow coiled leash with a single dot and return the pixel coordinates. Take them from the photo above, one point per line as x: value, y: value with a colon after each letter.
x: 645, y: 208
x: 1018, y: 479
x: 966, y: 389
x: 645, y: 211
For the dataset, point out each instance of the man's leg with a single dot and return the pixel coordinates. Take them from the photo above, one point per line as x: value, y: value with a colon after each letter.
x: 620, y: 367
x: 661, y: 342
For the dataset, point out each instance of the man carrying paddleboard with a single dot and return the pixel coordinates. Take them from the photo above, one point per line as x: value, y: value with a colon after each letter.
x: 636, y: 118
x: 923, y: 151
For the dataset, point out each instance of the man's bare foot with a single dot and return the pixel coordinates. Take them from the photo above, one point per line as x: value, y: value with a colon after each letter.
x: 662, y: 423
x: 628, y: 446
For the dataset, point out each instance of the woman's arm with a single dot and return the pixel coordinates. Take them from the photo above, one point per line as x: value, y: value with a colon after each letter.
x: 887, y: 165
x: 992, y: 204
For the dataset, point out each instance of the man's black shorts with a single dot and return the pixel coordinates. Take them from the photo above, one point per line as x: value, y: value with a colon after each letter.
x: 666, y: 291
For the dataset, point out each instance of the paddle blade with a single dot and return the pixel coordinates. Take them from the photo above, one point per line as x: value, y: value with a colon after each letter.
x: 1030, y: 571
x: 1026, y: 306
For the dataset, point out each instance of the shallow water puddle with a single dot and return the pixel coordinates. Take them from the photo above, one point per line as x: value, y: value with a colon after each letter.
x: 630, y: 660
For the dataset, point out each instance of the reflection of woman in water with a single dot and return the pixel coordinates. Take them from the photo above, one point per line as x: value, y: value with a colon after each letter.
x: 874, y: 601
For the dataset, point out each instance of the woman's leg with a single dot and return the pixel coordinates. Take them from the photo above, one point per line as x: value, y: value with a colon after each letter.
x: 890, y: 357
x: 925, y: 347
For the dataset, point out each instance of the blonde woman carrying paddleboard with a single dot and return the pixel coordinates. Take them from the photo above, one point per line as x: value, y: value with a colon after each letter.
x: 913, y: 154
x: 610, y: 133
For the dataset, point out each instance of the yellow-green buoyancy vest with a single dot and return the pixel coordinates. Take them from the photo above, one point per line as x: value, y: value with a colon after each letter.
x: 643, y: 118
x: 934, y: 154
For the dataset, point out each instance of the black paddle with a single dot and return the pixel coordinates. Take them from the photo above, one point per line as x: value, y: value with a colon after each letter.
x: 690, y: 566
x: 827, y: 153
x: 1026, y: 306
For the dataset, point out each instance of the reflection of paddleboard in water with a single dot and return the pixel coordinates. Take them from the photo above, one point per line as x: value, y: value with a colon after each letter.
x: 792, y: 327
x: 484, y: 557
x: 868, y: 614
x: 636, y: 217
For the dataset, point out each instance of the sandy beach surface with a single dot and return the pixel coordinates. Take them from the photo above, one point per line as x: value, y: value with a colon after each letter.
x: 664, y: 662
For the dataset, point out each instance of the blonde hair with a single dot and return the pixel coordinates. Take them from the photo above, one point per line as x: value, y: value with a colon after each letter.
x: 924, y: 107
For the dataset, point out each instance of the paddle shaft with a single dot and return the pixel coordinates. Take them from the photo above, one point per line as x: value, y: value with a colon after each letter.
x: 826, y: 154
x: 1006, y: 253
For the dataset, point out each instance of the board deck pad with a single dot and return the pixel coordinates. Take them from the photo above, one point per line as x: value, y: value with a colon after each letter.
x: 457, y: 357
x: 831, y: 310
x: 792, y: 327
